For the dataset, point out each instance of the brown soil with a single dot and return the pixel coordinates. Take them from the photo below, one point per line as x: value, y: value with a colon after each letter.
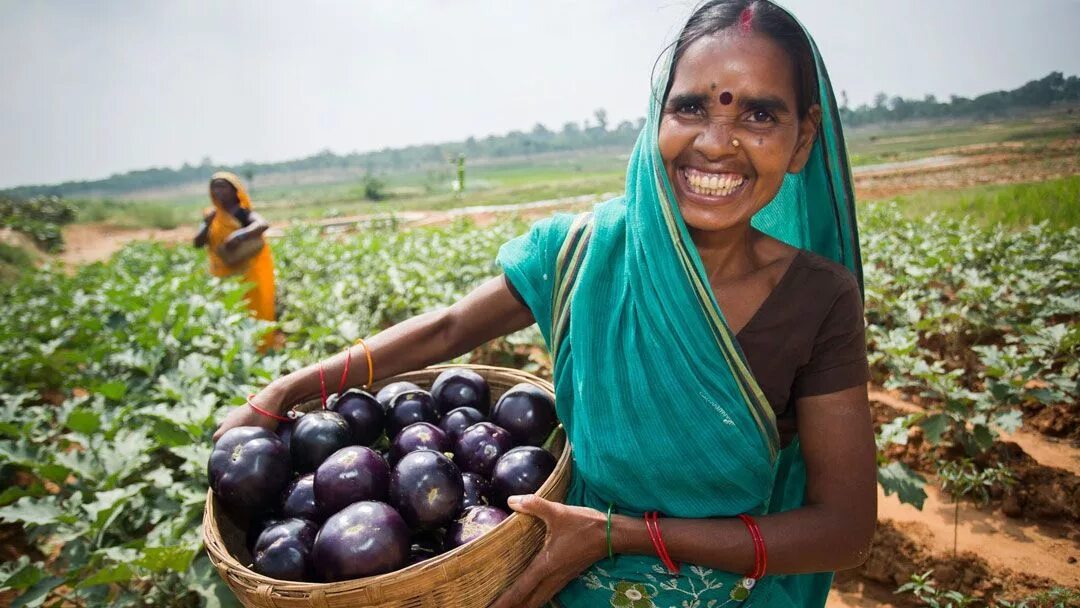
x: 1041, y: 493
x: 996, y: 166
x: 900, y: 550
x: 1061, y: 420
x: 86, y: 243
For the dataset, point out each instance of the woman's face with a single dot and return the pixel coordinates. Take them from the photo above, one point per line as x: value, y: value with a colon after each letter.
x: 223, y: 192
x: 732, y: 86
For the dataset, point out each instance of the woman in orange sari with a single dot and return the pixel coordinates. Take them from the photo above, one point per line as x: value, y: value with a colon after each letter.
x: 230, y: 226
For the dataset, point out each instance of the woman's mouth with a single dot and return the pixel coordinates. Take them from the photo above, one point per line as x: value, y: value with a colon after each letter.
x: 712, y: 185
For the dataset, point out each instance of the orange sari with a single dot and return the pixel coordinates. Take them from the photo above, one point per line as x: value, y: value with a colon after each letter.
x: 258, y: 270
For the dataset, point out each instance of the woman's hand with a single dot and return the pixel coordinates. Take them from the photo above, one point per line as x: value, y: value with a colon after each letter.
x: 576, y: 539
x: 245, y: 415
x: 233, y: 240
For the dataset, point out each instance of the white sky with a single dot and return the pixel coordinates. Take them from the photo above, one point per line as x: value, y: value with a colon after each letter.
x: 92, y: 88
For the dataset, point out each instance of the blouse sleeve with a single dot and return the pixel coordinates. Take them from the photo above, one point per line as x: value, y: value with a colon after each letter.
x: 838, y: 357
x: 528, y: 263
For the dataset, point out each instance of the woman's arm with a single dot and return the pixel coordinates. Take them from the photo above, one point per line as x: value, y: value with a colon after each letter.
x: 490, y: 311
x: 832, y: 531
x: 256, y: 228
x: 204, y: 233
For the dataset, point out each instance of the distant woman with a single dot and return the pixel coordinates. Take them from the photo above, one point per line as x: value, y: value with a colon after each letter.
x: 234, y: 234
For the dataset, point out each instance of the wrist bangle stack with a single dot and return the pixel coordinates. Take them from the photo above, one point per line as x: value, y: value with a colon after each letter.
x: 652, y: 524
x: 742, y: 591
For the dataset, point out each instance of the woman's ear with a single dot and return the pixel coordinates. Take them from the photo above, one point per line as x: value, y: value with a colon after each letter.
x: 808, y: 128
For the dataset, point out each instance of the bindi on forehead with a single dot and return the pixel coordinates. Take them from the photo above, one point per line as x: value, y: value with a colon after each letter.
x: 726, y: 98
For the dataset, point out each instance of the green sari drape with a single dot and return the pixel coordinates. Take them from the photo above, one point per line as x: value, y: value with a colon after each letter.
x: 651, y: 385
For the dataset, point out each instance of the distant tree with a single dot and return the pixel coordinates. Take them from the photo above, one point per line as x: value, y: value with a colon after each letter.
x: 374, y: 188
x: 601, y: 118
x: 1054, y: 88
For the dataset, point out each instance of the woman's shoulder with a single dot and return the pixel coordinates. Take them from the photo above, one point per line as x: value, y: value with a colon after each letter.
x: 821, y: 275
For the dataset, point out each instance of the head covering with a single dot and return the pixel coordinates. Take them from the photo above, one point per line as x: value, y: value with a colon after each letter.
x: 654, y: 391
x: 258, y: 270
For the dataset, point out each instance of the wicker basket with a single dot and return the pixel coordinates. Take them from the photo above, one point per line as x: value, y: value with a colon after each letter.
x: 471, y: 576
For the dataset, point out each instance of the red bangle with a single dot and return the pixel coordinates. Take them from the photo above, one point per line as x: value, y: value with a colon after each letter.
x: 344, y: 377
x: 652, y: 524
x: 345, y: 372
x: 760, y: 555
x: 266, y: 413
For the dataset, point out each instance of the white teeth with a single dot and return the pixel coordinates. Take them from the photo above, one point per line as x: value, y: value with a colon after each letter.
x: 711, y: 184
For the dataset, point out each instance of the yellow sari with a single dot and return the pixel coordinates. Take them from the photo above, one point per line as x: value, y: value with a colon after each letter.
x: 258, y: 270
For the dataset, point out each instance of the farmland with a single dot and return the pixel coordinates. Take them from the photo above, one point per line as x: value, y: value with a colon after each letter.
x: 112, y: 374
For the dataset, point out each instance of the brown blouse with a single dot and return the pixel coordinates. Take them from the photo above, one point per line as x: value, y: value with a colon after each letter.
x: 807, y: 338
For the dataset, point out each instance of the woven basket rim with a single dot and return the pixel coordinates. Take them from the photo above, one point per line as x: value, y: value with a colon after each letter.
x: 237, y: 574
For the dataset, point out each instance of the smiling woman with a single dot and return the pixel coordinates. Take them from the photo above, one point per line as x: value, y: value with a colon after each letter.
x: 707, y: 337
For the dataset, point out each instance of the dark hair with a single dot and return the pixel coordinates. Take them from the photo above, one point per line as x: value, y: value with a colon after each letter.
x: 762, y: 16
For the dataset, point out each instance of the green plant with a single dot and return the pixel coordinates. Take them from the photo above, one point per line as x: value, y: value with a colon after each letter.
x: 923, y: 588
x: 40, y: 218
x: 962, y: 479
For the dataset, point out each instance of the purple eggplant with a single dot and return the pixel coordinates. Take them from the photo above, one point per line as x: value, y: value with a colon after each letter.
x: 457, y: 420
x: 386, y: 394
x: 283, y: 551
x: 527, y: 412
x: 418, y: 436
x: 365, y: 415
x: 299, y: 499
x: 351, y: 474
x: 460, y: 387
x: 317, y: 435
x: 409, y: 408
x: 477, y: 490
x: 248, y: 469
x: 363, y: 539
x: 480, y: 446
x: 520, y: 471
x: 427, y: 490
x: 473, y: 523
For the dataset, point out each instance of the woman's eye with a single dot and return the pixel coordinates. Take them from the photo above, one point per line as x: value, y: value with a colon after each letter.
x: 689, y: 109
x: 761, y: 116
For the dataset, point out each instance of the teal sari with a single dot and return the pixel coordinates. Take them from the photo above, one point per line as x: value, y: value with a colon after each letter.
x: 651, y: 385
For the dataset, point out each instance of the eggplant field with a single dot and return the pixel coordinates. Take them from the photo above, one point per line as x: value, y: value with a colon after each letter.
x: 112, y: 378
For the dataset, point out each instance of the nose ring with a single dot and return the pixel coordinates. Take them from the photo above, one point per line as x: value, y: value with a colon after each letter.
x: 735, y: 143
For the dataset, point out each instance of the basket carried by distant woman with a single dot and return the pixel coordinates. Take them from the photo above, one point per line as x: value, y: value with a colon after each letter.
x: 233, y: 235
x: 707, y: 337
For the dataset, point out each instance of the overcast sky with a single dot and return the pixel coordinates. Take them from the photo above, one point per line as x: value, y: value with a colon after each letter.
x: 94, y: 88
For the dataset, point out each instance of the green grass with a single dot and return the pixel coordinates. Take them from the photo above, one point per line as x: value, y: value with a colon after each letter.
x: 872, y: 145
x: 13, y: 261
x: 1056, y: 201
x: 138, y: 214
x: 504, y: 183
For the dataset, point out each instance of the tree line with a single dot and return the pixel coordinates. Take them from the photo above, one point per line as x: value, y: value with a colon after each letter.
x: 593, y: 133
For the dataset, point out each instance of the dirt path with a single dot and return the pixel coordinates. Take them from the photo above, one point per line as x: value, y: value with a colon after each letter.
x: 87, y: 243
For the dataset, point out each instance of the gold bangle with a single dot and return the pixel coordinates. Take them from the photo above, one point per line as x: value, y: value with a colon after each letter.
x: 370, y: 364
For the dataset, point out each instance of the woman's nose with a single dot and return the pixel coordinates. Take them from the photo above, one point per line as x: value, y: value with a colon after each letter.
x: 715, y: 139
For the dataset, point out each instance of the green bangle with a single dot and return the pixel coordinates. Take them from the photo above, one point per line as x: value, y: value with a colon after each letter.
x: 610, y: 552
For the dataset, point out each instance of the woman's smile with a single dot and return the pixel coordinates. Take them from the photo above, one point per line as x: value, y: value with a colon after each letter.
x: 706, y: 187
